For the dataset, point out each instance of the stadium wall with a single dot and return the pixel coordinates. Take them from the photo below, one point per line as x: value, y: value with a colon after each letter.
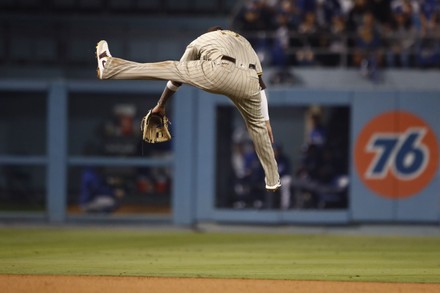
x: 401, y: 153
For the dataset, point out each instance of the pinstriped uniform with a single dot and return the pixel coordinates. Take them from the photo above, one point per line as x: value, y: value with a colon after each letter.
x: 202, y: 66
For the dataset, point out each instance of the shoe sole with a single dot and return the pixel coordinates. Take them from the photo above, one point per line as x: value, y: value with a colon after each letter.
x: 99, y: 51
x: 274, y: 189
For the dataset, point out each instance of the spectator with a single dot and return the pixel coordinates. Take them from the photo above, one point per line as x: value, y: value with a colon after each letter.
x: 119, y: 136
x: 338, y: 41
x: 289, y: 11
x: 356, y: 15
x: 410, y: 8
x: 324, y: 29
x: 428, y: 49
x: 280, y: 46
x: 249, y: 174
x: 326, y: 10
x: 321, y: 179
x: 308, y: 39
x: 368, y: 43
x: 306, y: 5
x: 255, y: 15
x: 255, y: 19
x: 317, y: 134
x: 401, y: 39
x: 96, y: 195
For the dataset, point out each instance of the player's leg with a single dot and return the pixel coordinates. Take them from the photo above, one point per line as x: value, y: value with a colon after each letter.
x: 195, y: 72
x: 264, y: 150
x: 190, y: 72
x: 250, y: 110
x: 117, y: 68
x: 243, y: 88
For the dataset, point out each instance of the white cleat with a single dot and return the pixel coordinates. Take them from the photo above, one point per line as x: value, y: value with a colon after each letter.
x: 273, y: 188
x: 102, y: 54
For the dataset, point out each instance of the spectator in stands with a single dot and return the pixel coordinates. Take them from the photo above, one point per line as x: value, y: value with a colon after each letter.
x: 326, y: 10
x: 338, y: 41
x: 287, y: 20
x: 254, y: 20
x: 410, y: 8
x: 365, y: 26
x: 279, y: 52
x: 428, y: 49
x: 356, y: 15
x: 401, y: 39
x: 306, y: 5
x: 368, y: 47
x: 308, y: 39
x: 290, y: 11
x: 255, y: 15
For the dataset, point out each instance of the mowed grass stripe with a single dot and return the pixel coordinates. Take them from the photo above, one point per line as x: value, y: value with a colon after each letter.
x: 92, y: 251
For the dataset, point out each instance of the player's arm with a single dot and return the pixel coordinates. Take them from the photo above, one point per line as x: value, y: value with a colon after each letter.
x: 265, y: 113
x: 265, y: 109
x: 264, y: 104
x: 167, y: 93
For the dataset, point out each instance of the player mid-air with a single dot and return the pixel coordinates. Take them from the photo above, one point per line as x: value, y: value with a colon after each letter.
x: 220, y: 62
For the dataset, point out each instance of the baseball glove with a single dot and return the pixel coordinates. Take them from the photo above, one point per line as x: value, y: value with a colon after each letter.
x: 154, y: 128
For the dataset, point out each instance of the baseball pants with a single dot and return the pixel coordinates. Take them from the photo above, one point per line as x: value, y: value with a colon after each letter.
x: 239, y: 84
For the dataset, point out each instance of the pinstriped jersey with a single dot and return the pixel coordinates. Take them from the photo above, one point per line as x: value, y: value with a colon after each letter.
x: 212, y: 45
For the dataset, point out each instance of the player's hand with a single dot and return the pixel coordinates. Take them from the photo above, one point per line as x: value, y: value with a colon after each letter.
x: 269, y: 131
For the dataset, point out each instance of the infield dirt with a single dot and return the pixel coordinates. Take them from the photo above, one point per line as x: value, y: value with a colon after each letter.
x: 68, y: 284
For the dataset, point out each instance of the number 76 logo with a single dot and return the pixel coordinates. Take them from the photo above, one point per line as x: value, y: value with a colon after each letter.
x: 405, y: 155
x: 396, y: 154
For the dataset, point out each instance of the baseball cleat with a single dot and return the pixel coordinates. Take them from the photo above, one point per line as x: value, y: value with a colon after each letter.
x: 102, y: 54
x: 273, y: 188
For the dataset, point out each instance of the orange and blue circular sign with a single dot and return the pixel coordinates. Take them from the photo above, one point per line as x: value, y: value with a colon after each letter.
x: 396, y: 154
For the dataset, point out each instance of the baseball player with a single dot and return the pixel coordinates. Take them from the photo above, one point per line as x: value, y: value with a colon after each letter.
x: 220, y: 62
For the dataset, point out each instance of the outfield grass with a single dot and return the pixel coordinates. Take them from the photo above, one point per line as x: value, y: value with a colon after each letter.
x: 92, y: 251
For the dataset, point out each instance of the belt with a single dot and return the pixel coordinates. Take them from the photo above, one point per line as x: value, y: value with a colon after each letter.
x: 233, y: 60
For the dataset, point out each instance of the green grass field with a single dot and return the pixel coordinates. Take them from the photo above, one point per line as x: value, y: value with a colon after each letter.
x: 136, y: 252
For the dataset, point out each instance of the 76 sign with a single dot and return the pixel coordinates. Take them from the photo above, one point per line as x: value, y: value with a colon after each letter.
x: 396, y: 154
x: 403, y: 154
